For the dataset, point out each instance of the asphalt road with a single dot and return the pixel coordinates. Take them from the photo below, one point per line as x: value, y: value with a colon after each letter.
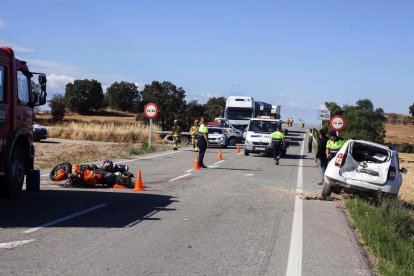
x: 241, y: 216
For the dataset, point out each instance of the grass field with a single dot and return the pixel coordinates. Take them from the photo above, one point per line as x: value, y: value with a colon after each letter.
x: 108, y: 126
x: 407, y: 188
x: 399, y: 134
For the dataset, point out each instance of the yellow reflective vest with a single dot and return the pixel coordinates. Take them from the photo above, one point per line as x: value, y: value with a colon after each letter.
x: 278, y: 135
x: 202, y: 129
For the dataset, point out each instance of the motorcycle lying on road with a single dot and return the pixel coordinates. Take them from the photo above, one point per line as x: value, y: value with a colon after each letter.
x: 89, y: 175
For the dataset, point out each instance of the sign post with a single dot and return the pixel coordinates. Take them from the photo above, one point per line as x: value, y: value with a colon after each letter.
x: 324, y: 115
x: 151, y: 112
x: 337, y: 123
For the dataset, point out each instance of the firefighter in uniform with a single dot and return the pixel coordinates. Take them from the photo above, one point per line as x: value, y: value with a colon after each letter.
x: 333, y: 145
x: 194, y: 133
x: 176, y: 132
x: 202, y: 142
x: 278, y: 143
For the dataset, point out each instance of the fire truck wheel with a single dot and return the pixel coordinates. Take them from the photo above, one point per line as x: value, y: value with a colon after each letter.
x: 15, y: 174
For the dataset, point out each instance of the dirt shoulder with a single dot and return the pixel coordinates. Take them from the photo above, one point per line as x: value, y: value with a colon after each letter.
x: 53, y: 151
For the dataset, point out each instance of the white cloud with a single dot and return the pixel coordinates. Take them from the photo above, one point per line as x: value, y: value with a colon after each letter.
x: 17, y: 48
x: 56, y: 84
x: 2, y: 24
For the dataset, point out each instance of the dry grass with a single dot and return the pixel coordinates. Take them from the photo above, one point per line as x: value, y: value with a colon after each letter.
x: 397, y: 134
x: 407, y: 188
x: 105, y: 132
x: 108, y: 116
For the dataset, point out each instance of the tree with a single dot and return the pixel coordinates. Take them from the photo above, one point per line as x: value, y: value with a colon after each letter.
x: 412, y: 110
x: 334, y: 108
x: 193, y: 111
x: 214, y: 107
x: 169, y: 99
x: 365, y: 104
x: 83, y: 96
x: 57, y: 106
x: 364, y: 123
x: 122, y: 96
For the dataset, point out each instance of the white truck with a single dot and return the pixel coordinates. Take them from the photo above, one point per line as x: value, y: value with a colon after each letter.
x: 258, y: 136
x: 239, y: 110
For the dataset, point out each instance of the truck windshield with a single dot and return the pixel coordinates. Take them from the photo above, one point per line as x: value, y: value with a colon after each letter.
x: 263, y: 126
x: 238, y: 113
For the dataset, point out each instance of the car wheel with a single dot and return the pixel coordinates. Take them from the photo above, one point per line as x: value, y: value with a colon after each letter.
x: 326, y: 190
x: 246, y: 152
x: 15, y: 174
x: 232, y: 141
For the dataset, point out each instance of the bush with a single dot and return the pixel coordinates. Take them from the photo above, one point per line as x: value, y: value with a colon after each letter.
x: 406, y: 148
x: 57, y: 106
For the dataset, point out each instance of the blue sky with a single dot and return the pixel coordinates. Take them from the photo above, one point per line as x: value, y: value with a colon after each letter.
x: 295, y: 53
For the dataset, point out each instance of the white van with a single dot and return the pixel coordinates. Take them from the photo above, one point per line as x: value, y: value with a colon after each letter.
x: 258, y: 135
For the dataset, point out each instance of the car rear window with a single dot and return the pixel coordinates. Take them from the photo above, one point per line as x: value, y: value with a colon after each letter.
x: 363, y: 152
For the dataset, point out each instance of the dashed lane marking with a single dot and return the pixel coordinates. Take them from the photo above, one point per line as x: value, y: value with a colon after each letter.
x: 221, y: 161
x: 31, y: 230
x: 182, y: 176
x: 10, y: 245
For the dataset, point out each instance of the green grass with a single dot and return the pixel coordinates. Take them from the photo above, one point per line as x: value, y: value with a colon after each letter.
x: 387, y: 230
x: 143, y: 149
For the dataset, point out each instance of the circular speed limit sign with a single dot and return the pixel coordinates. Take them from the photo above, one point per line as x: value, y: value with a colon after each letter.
x: 151, y: 111
x: 337, y: 123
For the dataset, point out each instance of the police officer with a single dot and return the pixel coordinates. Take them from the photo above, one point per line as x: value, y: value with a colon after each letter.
x: 176, y: 132
x: 278, y: 143
x: 333, y: 145
x: 310, y: 140
x: 202, y: 142
x: 194, y: 133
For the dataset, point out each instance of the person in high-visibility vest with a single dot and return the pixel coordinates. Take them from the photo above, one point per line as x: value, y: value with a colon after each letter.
x: 303, y: 123
x: 278, y: 143
x: 333, y: 145
x: 310, y: 140
x: 202, y: 142
x: 194, y: 132
x: 176, y: 132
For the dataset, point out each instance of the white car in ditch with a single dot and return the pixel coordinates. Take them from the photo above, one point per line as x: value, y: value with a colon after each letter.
x: 363, y: 167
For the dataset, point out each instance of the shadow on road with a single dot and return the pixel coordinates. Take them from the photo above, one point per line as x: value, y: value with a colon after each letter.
x: 47, y: 142
x: 123, y: 208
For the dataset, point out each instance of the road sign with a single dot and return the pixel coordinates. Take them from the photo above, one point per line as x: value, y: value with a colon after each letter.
x: 337, y: 123
x: 324, y: 115
x: 151, y: 111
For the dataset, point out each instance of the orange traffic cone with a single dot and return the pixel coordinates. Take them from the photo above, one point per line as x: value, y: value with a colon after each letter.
x: 117, y: 186
x: 220, y: 155
x: 196, y: 164
x: 138, y: 183
x: 238, y: 149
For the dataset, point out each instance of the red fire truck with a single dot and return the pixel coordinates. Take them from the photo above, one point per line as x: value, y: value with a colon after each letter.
x: 20, y: 91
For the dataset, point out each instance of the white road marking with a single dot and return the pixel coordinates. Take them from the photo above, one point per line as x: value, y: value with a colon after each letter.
x: 132, y: 160
x: 182, y: 176
x: 190, y: 170
x: 221, y: 161
x: 249, y: 174
x: 294, y: 266
x: 214, y: 166
x: 31, y: 230
x: 10, y: 245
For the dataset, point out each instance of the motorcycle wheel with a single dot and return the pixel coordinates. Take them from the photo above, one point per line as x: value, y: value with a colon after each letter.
x: 61, y: 171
